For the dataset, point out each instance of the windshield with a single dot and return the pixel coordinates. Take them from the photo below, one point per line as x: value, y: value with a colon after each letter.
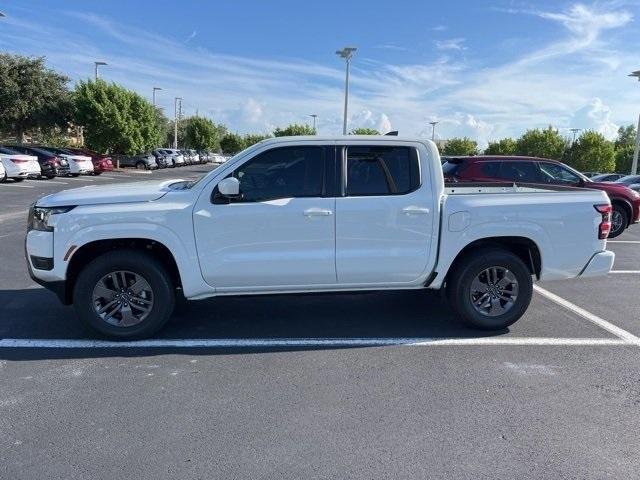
x: 629, y: 180
x: 192, y: 183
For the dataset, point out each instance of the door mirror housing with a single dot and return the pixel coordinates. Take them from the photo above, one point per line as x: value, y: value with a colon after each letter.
x: 229, y: 187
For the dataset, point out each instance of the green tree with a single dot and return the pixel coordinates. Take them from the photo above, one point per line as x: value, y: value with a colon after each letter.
x: 364, y: 131
x: 253, y: 138
x: 591, y: 152
x: 293, y: 130
x: 232, y: 143
x: 626, y: 136
x: 116, y: 120
x: 624, y: 146
x: 32, y: 96
x: 506, y: 146
x: 460, y: 146
x: 202, y: 134
x: 547, y: 143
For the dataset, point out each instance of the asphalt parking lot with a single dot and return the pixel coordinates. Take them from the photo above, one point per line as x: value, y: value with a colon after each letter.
x: 370, y: 385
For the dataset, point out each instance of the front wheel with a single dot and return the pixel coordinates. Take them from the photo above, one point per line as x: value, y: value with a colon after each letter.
x: 490, y: 289
x: 125, y: 294
x: 619, y: 221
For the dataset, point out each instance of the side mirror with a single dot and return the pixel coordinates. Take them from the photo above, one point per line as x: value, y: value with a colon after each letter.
x: 229, y: 187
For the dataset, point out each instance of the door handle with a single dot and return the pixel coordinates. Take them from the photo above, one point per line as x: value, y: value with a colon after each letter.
x: 413, y: 210
x: 317, y: 212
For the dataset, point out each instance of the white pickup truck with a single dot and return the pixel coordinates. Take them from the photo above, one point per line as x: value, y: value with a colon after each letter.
x: 312, y: 214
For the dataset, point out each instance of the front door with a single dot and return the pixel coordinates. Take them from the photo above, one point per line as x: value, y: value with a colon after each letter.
x: 280, y: 232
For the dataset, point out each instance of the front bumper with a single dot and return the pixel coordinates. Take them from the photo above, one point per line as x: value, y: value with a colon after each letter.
x: 59, y: 287
x: 599, y: 265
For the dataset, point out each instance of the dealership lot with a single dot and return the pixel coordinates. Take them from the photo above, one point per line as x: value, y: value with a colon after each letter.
x: 370, y: 385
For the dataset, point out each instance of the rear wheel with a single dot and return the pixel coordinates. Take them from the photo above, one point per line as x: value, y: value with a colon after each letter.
x: 619, y: 220
x: 141, y: 165
x: 18, y: 179
x: 490, y: 289
x: 125, y: 294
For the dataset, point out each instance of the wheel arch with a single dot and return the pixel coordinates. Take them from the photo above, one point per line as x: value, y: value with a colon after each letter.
x: 627, y: 208
x: 87, y: 252
x: 524, y: 248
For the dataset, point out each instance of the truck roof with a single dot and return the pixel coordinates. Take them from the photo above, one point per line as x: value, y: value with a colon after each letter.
x: 347, y: 138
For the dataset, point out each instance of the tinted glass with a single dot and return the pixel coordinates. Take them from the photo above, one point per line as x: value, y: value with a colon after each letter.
x: 490, y: 169
x: 629, y: 180
x: 8, y: 151
x: 521, y: 171
x: 452, y: 168
x: 282, y: 173
x: 553, y: 173
x: 382, y: 170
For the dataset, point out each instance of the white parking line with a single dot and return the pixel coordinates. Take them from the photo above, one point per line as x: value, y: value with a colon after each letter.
x: 624, y: 271
x: 307, y: 342
x: 17, y: 185
x: 623, y: 241
x: 608, y: 326
x: 56, y: 181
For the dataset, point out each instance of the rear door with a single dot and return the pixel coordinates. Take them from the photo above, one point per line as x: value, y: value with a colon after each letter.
x: 384, y: 216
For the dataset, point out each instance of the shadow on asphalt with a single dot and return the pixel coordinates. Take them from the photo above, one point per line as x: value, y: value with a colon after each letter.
x: 37, y: 314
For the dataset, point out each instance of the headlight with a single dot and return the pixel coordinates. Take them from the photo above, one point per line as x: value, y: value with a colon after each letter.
x: 39, y: 217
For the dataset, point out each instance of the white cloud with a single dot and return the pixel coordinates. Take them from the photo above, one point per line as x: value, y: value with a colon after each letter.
x: 596, y: 116
x: 450, y: 44
x: 191, y: 36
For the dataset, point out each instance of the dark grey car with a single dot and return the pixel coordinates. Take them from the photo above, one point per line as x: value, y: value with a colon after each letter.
x: 141, y: 161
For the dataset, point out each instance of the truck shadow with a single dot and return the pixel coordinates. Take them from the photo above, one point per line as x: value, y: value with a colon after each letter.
x: 37, y: 314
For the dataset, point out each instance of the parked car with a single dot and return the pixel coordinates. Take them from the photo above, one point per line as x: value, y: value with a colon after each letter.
x: 628, y: 180
x: 163, y: 159
x: 3, y: 173
x: 204, y: 156
x: 177, y: 158
x: 101, y: 163
x: 607, y: 177
x: 50, y: 164
x: 626, y: 202
x: 591, y: 174
x: 140, y: 161
x: 78, y: 164
x: 374, y: 216
x: 188, y: 158
x: 195, y: 157
x: 19, y: 166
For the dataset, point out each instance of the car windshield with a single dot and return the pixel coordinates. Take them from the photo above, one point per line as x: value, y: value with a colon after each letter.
x: 629, y: 180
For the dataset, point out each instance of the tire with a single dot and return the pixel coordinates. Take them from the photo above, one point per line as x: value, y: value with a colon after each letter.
x: 131, y: 265
x: 3, y: 178
x: 141, y: 166
x: 18, y: 179
x: 49, y: 177
x: 497, y: 314
x: 96, y: 173
x: 74, y: 175
x: 619, y: 220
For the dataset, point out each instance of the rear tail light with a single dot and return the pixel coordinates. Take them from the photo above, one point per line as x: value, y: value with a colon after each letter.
x: 17, y: 161
x: 605, y: 225
x: 52, y: 161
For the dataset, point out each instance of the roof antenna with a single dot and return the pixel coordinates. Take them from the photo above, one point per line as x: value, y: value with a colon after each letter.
x: 392, y: 133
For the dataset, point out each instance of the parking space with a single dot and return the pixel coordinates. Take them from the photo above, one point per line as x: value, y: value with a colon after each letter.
x: 320, y: 377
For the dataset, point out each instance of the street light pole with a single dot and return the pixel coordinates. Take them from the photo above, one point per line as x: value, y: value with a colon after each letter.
x: 574, y: 130
x: 347, y: 54
x: 97, y: 64
x: 636, y: 150
x: 314, y: 116
x: 154, y: 94
x: 175, y: 120
x: 433, y: 130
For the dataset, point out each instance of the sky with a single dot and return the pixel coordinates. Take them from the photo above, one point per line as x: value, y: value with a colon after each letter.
x: 485, y: 69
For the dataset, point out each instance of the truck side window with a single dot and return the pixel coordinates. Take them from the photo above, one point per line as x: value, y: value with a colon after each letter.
x: 282, y: 173
x: 382, y: 170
